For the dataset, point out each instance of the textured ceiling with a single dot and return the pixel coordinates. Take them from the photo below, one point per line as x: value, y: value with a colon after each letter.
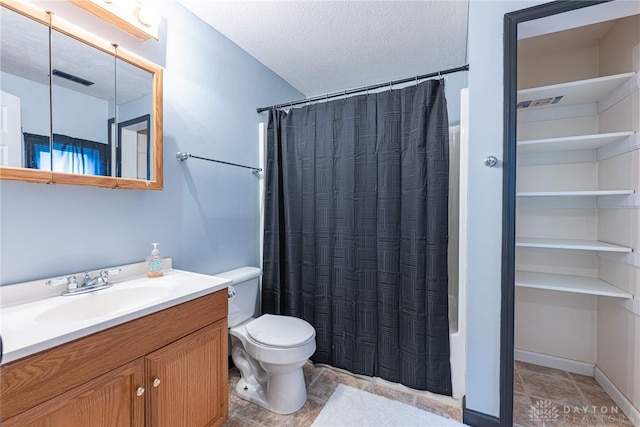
x: 327, y: 46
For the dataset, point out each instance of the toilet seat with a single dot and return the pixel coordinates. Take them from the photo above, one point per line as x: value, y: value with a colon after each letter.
x: 280, y: 331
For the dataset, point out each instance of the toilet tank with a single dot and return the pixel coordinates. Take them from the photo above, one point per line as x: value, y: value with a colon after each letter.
x: 244, y: 304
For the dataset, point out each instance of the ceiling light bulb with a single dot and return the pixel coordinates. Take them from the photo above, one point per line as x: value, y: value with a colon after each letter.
x: 147, y: 15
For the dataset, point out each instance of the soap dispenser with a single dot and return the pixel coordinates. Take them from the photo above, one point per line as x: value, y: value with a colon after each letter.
x: 154, y: 262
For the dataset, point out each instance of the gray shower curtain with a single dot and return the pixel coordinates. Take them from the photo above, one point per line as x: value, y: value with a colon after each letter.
x: 355, y: 238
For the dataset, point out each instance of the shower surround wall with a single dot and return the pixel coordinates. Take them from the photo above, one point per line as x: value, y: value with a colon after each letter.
x: 206, y: 218
x: 583, y: 330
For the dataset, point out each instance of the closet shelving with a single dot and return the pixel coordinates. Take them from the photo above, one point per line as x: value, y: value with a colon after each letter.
x: 562, y: 282
x: 571, y: 143
x: 572, y: 244
x: 600, y: 93
x: 574, y: 193
x: 579, y: 92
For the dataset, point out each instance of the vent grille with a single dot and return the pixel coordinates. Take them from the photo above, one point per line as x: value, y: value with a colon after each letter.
x: 539, y: 102
x: 72, y: 78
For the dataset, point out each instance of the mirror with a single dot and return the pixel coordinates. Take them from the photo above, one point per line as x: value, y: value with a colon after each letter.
x: 82, y: 102
x: 102, y: 106
x: 24, y: 92
x: 134, y: 133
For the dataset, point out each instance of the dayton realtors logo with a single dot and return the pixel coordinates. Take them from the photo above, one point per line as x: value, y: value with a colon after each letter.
x: 545, y: 411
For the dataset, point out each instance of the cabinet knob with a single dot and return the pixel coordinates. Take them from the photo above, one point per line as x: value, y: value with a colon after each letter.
x: 140, y: 391
x: 156, y: 382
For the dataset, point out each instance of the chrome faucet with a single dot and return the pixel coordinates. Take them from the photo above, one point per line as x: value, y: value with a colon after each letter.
x: 100, y: 280
x: 89, y: 284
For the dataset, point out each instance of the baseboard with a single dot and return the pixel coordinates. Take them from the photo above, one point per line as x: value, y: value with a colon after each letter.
x: 554, y: 362
x: 623, y: 403
x: 477, y: 419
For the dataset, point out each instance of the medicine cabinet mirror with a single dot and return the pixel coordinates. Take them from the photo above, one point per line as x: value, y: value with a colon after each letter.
x: 75, y: 109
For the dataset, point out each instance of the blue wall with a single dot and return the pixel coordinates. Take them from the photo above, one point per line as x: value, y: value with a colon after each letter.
x: 206, y: 218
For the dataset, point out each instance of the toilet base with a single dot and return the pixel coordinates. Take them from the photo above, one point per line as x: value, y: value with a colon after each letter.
x: 287, y: 392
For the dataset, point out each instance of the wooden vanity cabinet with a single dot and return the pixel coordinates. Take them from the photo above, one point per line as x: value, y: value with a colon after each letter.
x: 181, y: 382
x: 185, y: 379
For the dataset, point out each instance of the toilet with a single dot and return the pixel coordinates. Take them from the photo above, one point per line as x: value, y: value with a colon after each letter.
x: 269, y: 350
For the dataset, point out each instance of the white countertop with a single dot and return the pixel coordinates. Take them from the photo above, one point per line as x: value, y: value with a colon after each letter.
x: 38, y: 325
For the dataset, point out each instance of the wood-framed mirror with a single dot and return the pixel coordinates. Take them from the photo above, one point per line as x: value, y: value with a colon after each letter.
x: 66, y: 99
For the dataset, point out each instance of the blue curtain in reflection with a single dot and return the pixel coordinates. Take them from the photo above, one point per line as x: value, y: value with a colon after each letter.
x: 70, y: 155
x: 34, y: 148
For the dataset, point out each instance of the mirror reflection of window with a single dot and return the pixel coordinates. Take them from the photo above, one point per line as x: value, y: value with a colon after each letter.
x: 70, y: 155
x: 24, y: 87
x: 83, y: 100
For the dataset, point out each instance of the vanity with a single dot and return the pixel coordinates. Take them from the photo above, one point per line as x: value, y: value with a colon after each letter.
x: 159, y: 362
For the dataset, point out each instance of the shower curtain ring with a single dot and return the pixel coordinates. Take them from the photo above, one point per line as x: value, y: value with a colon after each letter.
x: 416, y: 80
x: 345, y: 94
x: 390, y: 85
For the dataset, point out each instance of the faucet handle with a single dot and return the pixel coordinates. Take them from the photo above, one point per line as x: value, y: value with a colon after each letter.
x: 111, y: 272
x: 104, y: 275
x: 70, y: 281
x: 57, y: 281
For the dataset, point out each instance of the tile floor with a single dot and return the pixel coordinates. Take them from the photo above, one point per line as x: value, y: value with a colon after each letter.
x: 561, y: 398
x: 321, y: 382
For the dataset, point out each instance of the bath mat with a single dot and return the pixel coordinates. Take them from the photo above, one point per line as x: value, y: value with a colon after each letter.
x: 348, y: 406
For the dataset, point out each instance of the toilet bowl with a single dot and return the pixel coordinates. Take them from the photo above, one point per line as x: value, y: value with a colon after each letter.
x: 269, y: 350
x: 270, y: 361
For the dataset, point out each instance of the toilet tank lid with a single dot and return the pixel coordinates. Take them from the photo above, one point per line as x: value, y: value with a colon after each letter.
x: 241, y: 274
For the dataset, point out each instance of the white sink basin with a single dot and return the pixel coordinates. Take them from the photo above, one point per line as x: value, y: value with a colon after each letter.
x: 34, y: 326
x: 101, y: 303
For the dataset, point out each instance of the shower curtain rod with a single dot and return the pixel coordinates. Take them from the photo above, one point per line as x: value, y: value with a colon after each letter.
x: 184, y: 156
x: 366, y: 88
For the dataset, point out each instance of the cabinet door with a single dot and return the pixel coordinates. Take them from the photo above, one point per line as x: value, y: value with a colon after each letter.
x: 187, y: 380
x: 109, y: 400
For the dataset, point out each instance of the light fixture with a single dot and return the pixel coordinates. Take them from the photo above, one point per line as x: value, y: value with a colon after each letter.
x: 138, y: 18
x: 147, y: 15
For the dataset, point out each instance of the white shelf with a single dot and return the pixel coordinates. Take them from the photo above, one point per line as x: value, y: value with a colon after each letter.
x: 574, y: 193
x: 576, y: 92
x: 581, y: 245
x: 561, y: 282
x: 571, y: 143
